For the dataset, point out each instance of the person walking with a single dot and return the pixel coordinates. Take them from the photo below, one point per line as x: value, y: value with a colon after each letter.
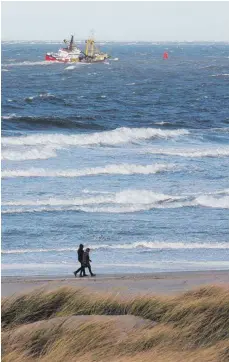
x: 80, y: 252
x: 87, y: 261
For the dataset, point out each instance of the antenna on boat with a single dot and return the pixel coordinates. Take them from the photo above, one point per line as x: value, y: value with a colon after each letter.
x: 92, y: 34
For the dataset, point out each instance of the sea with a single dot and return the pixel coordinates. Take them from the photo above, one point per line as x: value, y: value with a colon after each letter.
x: 129, y: 157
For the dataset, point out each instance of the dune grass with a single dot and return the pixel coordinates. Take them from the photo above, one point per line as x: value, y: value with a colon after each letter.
x: 190, y: 327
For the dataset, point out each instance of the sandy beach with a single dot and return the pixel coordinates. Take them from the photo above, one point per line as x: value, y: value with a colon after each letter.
x: 125, y: 285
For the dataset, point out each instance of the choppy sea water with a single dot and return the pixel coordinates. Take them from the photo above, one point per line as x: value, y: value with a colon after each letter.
x: 129, y: 158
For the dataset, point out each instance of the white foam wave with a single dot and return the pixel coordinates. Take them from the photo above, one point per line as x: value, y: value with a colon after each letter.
x: 220, y: 75
x: 214, y: 202
x: 142, y: 197
x: 161, y: 123
x: 86, y: 191
x: 117, y: 210
x: 221, y: 129
x: 121, y: 202
x: 70, y: 67
x: 224, y: 191
x: 9, y: 116
x: 41, y: 95
x: 126, y: 201
x: 114, y: 137
x: 87, y: 209
x: 46, y: 95
x: 54, y: 268
x: 59, y: 202
x: 140, y: 245
x: 172, y: 245
x: 121, y: 169
x: 33, y: 154
x: 193, y: 153
x: 41, y: 250
x: 29, y: 63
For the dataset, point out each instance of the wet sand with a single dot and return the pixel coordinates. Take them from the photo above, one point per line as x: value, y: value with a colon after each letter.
x: 124, y: 285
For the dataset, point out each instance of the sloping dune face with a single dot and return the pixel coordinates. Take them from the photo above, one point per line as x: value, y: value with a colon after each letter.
x: 70, y: 325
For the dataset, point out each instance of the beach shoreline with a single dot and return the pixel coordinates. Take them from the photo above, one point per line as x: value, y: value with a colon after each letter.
x: 163, y: 283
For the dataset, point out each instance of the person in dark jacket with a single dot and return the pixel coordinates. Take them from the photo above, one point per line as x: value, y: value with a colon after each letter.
x: 86, y: 261
x: 80, y: 252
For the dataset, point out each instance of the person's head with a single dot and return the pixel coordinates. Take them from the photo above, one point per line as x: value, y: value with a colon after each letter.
x: 81, y: 246
x: 88, y: 250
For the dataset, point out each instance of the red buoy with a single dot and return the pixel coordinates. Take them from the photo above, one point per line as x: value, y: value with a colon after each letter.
x: 166, y: 55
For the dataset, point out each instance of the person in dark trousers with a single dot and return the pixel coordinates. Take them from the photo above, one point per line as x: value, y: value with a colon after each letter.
x: 86, y: 261
x: 80, y: 260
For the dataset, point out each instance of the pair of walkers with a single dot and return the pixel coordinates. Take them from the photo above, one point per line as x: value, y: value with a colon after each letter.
x: 84, y: 260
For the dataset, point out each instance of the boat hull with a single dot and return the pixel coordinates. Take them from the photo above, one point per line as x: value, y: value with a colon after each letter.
x: 93, y: 61
x: 52, y: 58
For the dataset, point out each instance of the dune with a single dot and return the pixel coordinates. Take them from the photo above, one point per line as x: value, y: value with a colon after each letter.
x: 71, y: 324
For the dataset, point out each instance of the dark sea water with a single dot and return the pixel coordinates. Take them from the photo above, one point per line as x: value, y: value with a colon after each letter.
x: 129, y: 158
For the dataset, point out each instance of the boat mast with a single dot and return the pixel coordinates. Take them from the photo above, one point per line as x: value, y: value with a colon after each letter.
x: 71, y: 44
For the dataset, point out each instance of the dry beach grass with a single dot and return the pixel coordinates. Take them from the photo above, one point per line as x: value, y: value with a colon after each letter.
x: 69, y: 324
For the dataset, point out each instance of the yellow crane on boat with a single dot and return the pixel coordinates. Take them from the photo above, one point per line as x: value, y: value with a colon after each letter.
x: 92, y: 53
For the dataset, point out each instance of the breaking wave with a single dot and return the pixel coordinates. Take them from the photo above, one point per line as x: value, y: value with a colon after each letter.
x: 122, y: 197
x: 116, y: 136
x: 32, y: 154
x: 9, y: 116
x: 121, y: 169
x: 210, y: 201
x: 126, y: 201
x: 141, y: 245
x: 192, y: 153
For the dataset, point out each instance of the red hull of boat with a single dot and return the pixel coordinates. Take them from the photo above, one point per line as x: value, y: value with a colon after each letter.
x: 50, y: 58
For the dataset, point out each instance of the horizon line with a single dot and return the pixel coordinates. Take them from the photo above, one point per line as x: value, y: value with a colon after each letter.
x: 123, y: 41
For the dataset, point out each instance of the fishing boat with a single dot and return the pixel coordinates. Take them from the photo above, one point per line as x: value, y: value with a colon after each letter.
x: 92, y: 54
x: 70, y: 54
